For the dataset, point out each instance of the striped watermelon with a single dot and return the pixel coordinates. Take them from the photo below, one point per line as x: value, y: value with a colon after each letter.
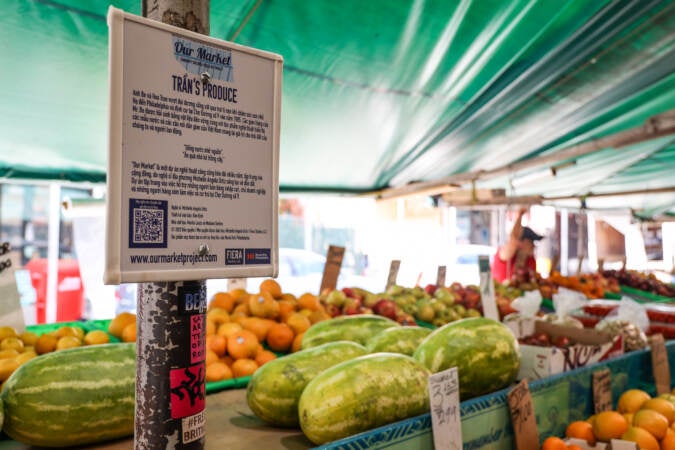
x: 274, y: 390
x: 72, y: 397
x: 398, y: 340
x: 361, y: 394
x: 484, y: 351
x: 357, y: 328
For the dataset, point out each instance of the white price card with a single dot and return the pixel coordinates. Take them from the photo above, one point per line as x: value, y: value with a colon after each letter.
x: 445, y: 409
x: 193, y: 155
x: 487, y: 289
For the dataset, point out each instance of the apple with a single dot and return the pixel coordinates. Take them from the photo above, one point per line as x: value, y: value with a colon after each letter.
x: 430, y: 289
x: 337, y: 298
x: 386, y: 308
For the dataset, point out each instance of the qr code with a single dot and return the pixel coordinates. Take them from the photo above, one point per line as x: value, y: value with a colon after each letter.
x: 148, y: 226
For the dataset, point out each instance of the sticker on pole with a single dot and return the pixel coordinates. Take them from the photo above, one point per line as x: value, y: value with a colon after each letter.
x: 193, y: 155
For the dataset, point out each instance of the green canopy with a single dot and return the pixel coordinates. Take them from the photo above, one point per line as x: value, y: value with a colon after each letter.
x: 380, y: 94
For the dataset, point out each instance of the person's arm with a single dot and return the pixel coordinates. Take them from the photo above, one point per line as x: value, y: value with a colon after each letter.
x: 507, y: 251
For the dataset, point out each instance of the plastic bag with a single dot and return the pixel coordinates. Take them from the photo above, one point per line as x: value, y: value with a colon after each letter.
x: 630, y: 320
x: 521, y: 323
x: 528, y: 304
x: 564, y: 302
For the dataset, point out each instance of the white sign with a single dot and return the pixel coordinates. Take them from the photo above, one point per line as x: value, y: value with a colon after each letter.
x: 487, y: 289
x: 446, y: 423
x: 193, y: 155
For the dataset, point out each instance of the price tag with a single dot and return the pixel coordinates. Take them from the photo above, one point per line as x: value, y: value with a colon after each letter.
x: 440, y: 276
x: 445, y: 412
x: 331, y: 271
x: 393, y: 273
x: 602, y: 390
x: 236, y: 283
x: 487, y: 289
x: 660, y: 365
x: 523, y: 420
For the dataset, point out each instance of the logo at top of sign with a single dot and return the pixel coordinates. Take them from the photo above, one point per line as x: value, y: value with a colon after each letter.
x: 198, y: 58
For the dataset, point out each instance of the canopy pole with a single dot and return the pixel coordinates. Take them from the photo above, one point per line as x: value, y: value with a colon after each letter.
x: 171, y: 320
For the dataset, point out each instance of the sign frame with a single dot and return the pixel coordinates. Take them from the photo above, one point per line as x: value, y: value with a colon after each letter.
x: 115, y: 271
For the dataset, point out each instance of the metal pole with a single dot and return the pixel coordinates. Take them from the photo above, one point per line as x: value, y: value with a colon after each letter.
x: 171, y: 320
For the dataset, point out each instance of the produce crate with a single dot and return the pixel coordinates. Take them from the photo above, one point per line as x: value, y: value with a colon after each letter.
x: 486, y: 424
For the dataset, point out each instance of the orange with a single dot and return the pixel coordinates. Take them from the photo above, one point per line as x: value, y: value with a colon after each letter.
x: 631, y: 400
x: 96, y: 337
x: 242, y: 308
x: 120, y: 321
x: 264, y: 357
x: 309, y: 301
x: 25, y: 356
x: 243, y: 367
x: 288, y: 297
x: 297, y: 343
x: 581, y: 429
x: 218, y: 315
x: 29, y: 338
x: 628, y: 417
x: 217, y: 343
x: 271, y: 286
x: 222, y: 300
x: 129, y: 333
x: 211, y: 357
x: 668, y: 441
x: 227, y: 359
x: 7, y: 367
x: 12, y: 343
x: 263, y: 305
x: 7, y: 331
x: 553, y: 443
x: 280, y: 337
x: 70, y: 331
x: 258, y: 326
x: 68, y: 342
x: 298, y: 322
x: 661, y: 405
x: 239, y: 295
x: 573, y: 447
x: 652, y: 421
x: 286, y: 308
x: 242, y: 344
x: 642, y: 438
x: 218, y: 371
x: 211, y: 327
x: 238, y: 317
x: 609, y: 425
x: 318, y: 316
x: 228, y: 328
x: 45, y: 344
x: 9, y: 353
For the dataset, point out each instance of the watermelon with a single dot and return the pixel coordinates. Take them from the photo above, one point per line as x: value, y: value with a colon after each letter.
x: 72, y: 397
x: 357, y: 328
x: 361, y: 394
x: 484, y: 351
x: 402, y: 340
x: 274, y: 390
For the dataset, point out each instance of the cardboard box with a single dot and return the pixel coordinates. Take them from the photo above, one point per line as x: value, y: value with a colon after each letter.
x: 588, y: 346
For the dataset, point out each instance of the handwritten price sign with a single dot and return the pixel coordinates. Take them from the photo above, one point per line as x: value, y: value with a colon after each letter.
x: 522, y: 417
x: 445, y: 413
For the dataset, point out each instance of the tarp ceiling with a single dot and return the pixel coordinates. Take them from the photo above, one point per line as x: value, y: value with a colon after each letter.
x: 382, y: 93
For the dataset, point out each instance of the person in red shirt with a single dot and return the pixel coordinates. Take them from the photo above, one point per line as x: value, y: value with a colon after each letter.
x: 517, y: 253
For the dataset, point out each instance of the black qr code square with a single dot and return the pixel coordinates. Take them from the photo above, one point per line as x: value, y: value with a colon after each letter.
x: 148, y: 226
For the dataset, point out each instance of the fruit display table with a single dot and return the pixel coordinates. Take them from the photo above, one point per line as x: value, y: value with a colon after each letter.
x: 229, y: 424
x: 558, y: 400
